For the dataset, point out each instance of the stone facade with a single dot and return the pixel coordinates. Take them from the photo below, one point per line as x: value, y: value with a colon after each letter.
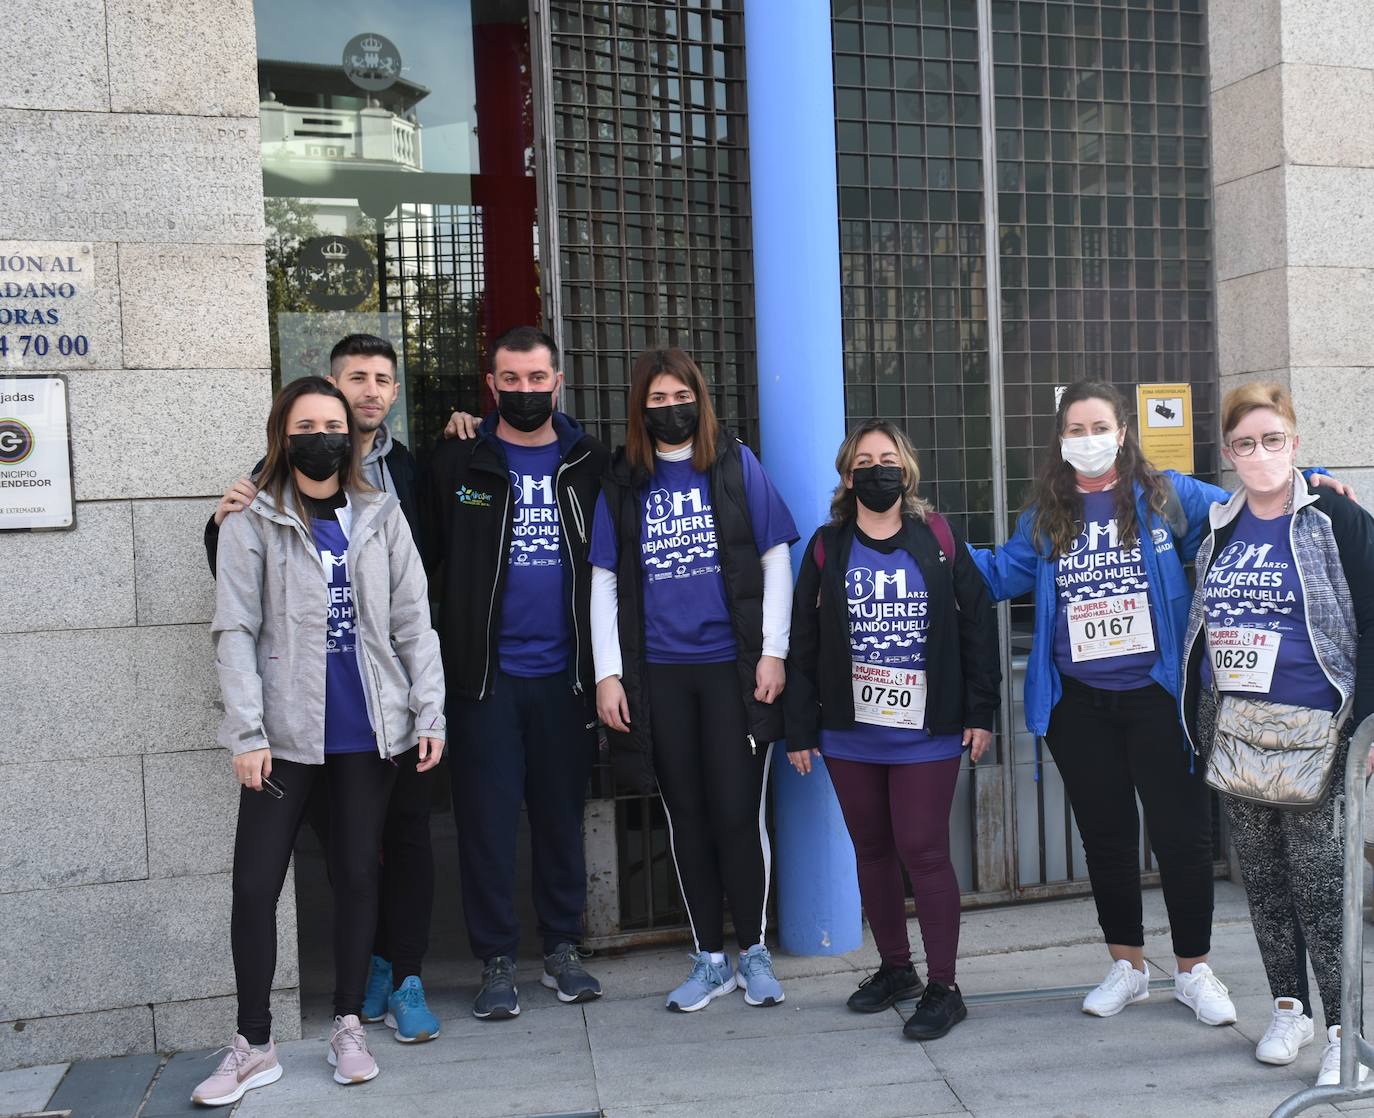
x: 130, y: 125
x: 1293, y: 171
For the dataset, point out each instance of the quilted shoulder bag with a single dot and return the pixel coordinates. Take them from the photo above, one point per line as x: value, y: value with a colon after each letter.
x: 1273, y: 753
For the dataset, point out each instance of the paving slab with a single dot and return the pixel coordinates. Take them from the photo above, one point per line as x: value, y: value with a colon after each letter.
x: 886, y: 1100
x: 28, y: 1089
x: 812, y: 1005
x: 112, y: 1088
x: 171, y: 1093
x: 719, y: 1072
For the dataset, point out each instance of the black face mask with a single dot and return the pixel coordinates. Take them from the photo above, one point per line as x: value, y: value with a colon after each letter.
x: 878, y: 487
x: 320, y: 454
x: 525, y: 411
x: 673, y: 423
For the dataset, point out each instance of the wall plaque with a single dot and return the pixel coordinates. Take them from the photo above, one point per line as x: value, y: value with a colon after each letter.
x: 57, y: 310
x: 35, y: 454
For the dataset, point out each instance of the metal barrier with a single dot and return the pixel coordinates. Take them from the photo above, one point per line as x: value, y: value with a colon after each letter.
x: 1352, y: 963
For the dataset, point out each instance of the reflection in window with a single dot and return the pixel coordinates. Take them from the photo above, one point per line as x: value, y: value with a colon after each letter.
x: 388, y: 210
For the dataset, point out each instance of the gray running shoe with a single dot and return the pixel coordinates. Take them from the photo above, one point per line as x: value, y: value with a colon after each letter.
x: 498, y: 998
x: 563, y: 971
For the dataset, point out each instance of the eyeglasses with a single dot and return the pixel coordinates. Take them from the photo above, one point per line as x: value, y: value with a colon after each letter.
x: 1272, y: 441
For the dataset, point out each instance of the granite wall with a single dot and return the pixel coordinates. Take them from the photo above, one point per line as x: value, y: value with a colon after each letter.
x: 130, y: 126
x: 1293, y: 168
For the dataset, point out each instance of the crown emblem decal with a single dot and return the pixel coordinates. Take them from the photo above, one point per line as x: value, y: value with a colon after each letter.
x: 371, y: 61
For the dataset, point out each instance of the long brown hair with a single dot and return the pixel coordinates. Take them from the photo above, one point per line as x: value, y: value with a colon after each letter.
x: 275, y: 476
x: 844, y: 505
x: 649, y: 366
x: 1055, y: 497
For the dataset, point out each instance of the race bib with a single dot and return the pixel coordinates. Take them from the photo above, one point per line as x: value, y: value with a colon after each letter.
x: 889, y: 696
x: 1243, y: 657
x: 1100, y: 628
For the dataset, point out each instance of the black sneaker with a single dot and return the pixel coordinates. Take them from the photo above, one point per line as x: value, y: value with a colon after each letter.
x: 884, y: 988
x: 941, y: 1008
x: 563, y: 971
x: 498, y: 998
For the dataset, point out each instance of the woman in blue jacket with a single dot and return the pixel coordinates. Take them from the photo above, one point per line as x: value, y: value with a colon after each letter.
x: 1102, y: 544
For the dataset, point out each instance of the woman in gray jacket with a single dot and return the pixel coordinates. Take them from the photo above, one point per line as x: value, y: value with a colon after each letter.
x: 328, y: 669
x: 1282, y: 626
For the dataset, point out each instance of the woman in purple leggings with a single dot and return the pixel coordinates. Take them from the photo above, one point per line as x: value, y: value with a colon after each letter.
x: 893, y: 673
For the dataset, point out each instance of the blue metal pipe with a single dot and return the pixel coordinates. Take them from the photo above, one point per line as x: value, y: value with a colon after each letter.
x: 801, y: 400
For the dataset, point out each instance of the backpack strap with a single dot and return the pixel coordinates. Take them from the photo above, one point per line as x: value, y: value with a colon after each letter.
x: 944, y: 535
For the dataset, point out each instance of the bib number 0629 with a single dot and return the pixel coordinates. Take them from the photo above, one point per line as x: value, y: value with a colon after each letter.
x: 1243, y: 658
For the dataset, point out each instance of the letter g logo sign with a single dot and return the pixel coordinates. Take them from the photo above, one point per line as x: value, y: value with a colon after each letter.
x: 16, y: 442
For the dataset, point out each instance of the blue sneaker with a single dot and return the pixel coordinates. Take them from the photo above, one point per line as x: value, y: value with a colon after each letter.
x: 378, y: 990
x: 707, y: 981
x: 756, y: 977
x: 407, y: 1013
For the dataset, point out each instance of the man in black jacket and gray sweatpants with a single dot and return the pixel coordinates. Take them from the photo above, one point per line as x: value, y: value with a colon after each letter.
x: 509, y: 519
x: 363, y: 367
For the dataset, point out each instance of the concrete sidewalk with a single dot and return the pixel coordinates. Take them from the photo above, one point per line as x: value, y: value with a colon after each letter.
x: 1026, y: 1049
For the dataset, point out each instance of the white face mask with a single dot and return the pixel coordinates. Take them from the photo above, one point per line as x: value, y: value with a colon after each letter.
x: 1090, y: 455
x: 1262, y: 472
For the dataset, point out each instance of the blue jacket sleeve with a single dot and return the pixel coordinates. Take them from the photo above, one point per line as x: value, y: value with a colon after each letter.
x: 1009, y: 570
x: 1196, y: 497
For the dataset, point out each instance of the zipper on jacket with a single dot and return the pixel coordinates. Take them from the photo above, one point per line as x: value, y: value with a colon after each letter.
x: 753, y: 745
x: 378, y: 731
x: 501, y: 549
x: 572, y: 567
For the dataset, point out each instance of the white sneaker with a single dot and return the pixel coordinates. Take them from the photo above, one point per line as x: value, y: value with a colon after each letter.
x: 1330, y: 1075
x: 1123, y: 986
x: 1289, y: 1029
x: 1202, y: 992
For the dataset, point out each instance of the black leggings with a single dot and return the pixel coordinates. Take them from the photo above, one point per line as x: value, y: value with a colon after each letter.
x: 358, y: 785
x: 713, y: 789
x: 1109, y: 746
x: 1293, y: 865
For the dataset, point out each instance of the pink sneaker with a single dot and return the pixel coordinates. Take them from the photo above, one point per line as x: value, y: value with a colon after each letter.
x: 348, y: 1054
x: 243, y: 1068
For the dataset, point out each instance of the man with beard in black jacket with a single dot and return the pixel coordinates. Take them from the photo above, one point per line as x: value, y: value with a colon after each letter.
x: 509, y: 519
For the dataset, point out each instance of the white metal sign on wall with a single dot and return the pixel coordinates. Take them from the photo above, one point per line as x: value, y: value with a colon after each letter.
x: 35, y: 454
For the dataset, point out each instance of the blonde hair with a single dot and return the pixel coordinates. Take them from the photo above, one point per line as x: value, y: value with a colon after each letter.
x: 1241, y: 401
x: 844, y: 505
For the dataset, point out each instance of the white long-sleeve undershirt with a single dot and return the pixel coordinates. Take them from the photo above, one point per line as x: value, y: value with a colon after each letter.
x: 777, y: 611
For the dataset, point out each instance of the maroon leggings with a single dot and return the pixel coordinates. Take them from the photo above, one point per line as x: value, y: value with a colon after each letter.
x: 898, y: 815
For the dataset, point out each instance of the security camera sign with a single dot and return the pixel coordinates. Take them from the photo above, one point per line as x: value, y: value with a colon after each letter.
x: 1165, y: 416
x: 35, y: 454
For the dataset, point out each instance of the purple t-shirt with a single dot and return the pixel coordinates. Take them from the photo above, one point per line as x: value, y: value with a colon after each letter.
x: 1104, y: 631
x: 888, y: 619
x: 534, y: 639
x: 347, y: 728
x: 1252, y: 594
x: 686, y: 612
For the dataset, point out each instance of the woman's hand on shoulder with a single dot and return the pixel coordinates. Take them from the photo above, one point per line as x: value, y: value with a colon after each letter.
x: 769, y: 679
x: 431, y: 750
x: 977, y: 742
x: 1326, y: 481
x: 802, y: 760
x: 251, y: 768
